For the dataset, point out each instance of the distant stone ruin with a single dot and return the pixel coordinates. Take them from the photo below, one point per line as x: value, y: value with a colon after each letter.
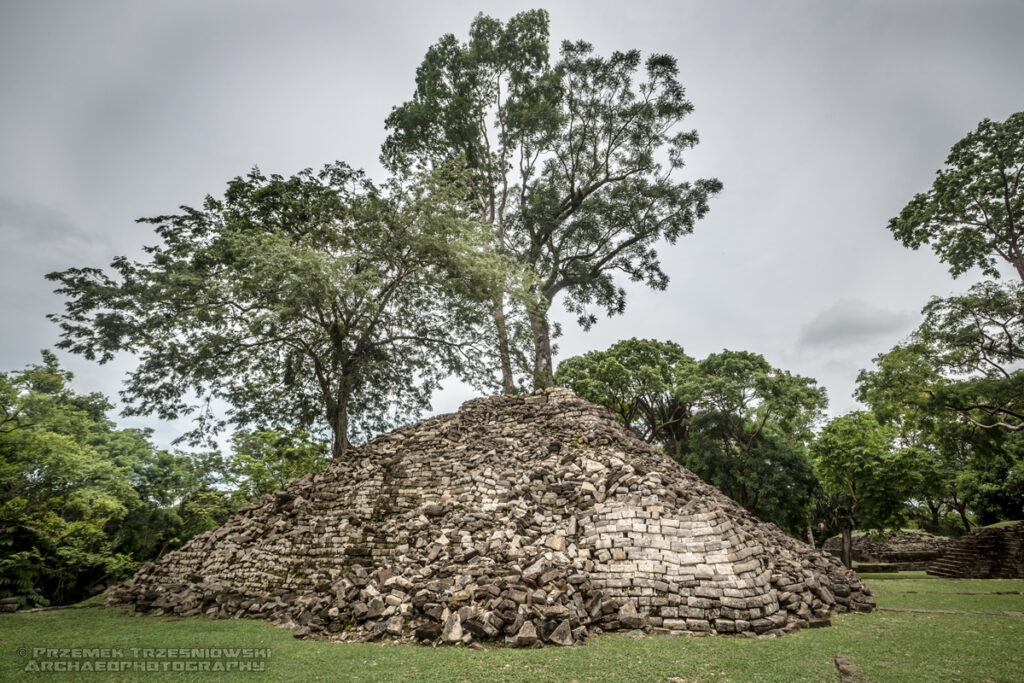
x: 985, y: 553
x: 892, y: 551
x: 525, y: 520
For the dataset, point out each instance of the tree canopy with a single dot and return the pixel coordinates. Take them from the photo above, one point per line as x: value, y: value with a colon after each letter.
x: 82, y: 502
x: 867, y: 478
x: 573, y: 166
x: 318, y: 301
x: 732, y: 418
x: 963, y: 359
x: 973, y: 216
x: 640, y: 380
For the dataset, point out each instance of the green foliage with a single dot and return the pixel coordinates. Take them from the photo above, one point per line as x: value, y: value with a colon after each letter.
x: 62, y: 480
x: 732, y: 418
x: 640, y: 380
x: 749, y: 437
x: 572, y: 166
x: 264, y: 461
x: 953, y: 390
x: 964, y: 359
x: 81, y: 502
x: 974, y: 213
x: 975, y: 343
x: 317, y: 302
x: 867, y: 477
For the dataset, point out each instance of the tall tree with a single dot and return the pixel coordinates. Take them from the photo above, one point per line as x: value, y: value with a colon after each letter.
x: 868, y: 479
x: 317, y: 301
x: 974, y: 213
x: 574, y: 166
x: 751, y: 432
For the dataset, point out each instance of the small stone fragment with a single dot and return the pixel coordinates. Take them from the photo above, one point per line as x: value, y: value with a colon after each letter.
x: 526, y: 636
x: 452, y: 631
x: 562, y: 635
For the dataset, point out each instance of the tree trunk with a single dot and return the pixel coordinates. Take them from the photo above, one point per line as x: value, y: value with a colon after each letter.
x: 961, y: 508
x: 1018, y: 263
x: 933, y: 509
x: 339, y: 428
x: 543, y: 374
x: 508, y: 382
x: 742, y: 496
x: 810, y: 531
x: 847, y: 552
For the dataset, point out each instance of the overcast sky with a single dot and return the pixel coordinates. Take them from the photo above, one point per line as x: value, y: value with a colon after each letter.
x: 822, y: 119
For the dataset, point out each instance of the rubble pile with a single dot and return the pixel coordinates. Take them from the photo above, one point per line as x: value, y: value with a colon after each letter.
x: 527, y: 520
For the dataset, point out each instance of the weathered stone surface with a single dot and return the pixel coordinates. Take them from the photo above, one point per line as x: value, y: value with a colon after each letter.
x: 628, y: 616
x: 452, y: 631
x: 526, y: 636
x: 985, y: 553
x: 534, y: 518
x: 394, y: 625
x: 562, y: 635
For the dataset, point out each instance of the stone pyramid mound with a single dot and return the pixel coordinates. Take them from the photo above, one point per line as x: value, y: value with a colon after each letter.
x: 533, y: 519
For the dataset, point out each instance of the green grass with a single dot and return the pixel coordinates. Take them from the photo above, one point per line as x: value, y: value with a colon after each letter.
x: 893, y: 576
x: 1008, y: 522
x: 917, y: 592
x: 887, y: 646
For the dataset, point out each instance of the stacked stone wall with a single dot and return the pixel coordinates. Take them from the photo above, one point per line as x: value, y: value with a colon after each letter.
x: 536, y: 519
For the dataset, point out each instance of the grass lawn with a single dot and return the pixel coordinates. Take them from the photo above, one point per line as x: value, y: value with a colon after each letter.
x: 1008, y: 522
x: 886, y: 646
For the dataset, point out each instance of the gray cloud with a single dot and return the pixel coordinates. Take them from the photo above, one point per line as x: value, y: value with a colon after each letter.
x: 852, y: 322
x: 32, y: 222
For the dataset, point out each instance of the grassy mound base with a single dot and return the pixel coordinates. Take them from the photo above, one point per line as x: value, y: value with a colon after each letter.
x: 885, y: 646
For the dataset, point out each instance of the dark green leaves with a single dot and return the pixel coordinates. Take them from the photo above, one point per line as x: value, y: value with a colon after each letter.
x: 864, y: 471
x: 732, y: 418
x: 974, y: 213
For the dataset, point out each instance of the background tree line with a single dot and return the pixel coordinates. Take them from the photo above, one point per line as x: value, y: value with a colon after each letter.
x: 83, y: 503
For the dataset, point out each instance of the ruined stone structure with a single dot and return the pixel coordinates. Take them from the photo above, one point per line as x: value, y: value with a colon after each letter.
x: 893, y: 551
x: 533, y: 519
x: 985, y: 553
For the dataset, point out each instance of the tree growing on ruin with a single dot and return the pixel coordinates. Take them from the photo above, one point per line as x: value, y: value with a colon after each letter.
x: 315, y: 302
x: 642, y: 381
x: 574, y: 167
